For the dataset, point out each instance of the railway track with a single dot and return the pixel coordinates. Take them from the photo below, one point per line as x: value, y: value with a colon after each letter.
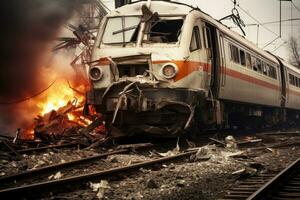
x: 56, y: 185
x: 283, y: 186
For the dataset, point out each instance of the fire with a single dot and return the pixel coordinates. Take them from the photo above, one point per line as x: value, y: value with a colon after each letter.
x: 58, y: 96
x: 61, y: 110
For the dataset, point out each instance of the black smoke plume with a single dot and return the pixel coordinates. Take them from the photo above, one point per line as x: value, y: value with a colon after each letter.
x: 27, y: 27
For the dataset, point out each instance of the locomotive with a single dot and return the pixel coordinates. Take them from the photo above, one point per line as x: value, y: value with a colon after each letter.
x: 164, y: 68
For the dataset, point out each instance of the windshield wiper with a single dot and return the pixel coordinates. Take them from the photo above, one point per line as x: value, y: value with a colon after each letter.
x: 125, y: 29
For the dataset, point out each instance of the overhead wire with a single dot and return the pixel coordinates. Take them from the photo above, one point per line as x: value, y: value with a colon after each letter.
x: 296, y: 7
x: 247, y: 13
x: 261, y: 24
x: 29, y: 97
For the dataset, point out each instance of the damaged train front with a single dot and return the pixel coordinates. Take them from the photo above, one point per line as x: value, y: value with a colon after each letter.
x: 138, y: 74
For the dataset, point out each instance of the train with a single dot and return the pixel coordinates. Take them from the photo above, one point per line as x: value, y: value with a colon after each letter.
x: 165, y: 68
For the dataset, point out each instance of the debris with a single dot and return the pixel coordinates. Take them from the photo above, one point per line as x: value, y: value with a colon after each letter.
x: 56, y: 176
x: 180, y: 183
x: 151, y: 184
x: 274, y: 151
x: 17, y: 135
x: 10, y: 148
x: 218, y: 141
x: 99, y: 188
x: 252, y: 141
x: 240, y: 171
x: 173, y: 152
x: 230, y: 142
x: 134, y: 146
x: 190, y: 144
x: 201, y: 155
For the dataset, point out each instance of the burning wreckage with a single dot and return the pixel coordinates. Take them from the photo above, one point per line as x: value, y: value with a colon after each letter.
x: 137, y: 79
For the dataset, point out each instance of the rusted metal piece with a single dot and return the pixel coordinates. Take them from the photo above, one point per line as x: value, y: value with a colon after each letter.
x: 26, y: 190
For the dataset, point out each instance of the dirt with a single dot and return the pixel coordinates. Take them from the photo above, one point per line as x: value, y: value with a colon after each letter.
x: 191, y: 178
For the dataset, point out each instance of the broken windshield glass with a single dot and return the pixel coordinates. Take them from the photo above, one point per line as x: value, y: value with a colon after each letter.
x: 164, y: 30
x: 121, y: 29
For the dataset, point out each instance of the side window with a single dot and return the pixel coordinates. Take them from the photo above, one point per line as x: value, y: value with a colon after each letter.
x: 248, y: 61
x: 254, y: 63
x: 258, y: 64
x: 291, y: 78
x: 195, y: 41
x: 271, y: 71
x: 207, y: 37
x: 265, y: 68
x: 242, y: 57
x: 234, y: 51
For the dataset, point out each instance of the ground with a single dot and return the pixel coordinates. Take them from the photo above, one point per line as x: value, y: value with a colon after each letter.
x: 191, y: 178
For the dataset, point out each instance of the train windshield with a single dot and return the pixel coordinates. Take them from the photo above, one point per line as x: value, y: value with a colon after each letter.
x: 164, y: 30
x: 121, y: 29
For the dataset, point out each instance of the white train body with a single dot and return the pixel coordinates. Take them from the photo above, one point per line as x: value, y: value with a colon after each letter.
x: 162, y: 67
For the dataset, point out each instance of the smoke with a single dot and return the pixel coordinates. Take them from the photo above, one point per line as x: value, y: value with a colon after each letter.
x: 27, y: 30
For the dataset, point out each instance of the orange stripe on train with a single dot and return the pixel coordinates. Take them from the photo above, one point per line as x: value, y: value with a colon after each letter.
x: 187, y: 67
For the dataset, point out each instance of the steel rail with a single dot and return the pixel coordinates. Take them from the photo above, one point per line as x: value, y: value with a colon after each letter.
x: 47, y: 147
x: 60, y: 166
x: 268, y: 188
x: 31, y: 189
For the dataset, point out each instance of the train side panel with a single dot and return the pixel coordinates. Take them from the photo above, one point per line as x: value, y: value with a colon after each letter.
x: 244, y: 84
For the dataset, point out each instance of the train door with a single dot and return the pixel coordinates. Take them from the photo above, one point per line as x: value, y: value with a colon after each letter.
x: 197, y: 55
x: 211, y: 45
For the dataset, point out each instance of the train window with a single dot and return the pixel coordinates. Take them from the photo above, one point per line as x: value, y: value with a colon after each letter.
x: 242, y: 57
x: 195, y: 41
x: 291, y: 78
x: 265, y: 68
x: 254, y: 63
x: 271, y: 71
x: 259, y: 66
x: 234, y: 54
x: 248, y: 61
x: 207, y: 37
x: 164, y: 30
x: 121, y: 30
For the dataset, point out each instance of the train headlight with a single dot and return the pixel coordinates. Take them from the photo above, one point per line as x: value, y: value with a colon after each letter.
x: 169, y: 70
x: 95, y: 73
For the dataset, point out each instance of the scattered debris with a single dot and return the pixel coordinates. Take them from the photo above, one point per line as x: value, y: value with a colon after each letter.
x: 201, y: 155
x: 230, y: 142
x: 218, y: 141
x: 56, y: 176
x: 99, y: 188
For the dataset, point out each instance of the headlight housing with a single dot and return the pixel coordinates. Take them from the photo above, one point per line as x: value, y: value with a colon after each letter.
x: 95, y: 73
x: 169, y: 70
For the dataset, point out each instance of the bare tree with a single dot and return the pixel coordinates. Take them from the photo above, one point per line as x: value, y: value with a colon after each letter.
x: 294, y: 48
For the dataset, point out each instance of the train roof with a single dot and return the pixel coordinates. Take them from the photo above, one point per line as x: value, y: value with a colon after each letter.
x: 161, y: 7
x: 289, y: 66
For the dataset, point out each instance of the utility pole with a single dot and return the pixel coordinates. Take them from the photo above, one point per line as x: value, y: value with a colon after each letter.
x: 280, y: 32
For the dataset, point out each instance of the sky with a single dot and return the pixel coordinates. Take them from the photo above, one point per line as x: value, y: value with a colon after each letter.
x: 262, y: 11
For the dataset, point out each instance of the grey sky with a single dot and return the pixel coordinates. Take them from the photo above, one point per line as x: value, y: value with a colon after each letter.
x: 263, y: 11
